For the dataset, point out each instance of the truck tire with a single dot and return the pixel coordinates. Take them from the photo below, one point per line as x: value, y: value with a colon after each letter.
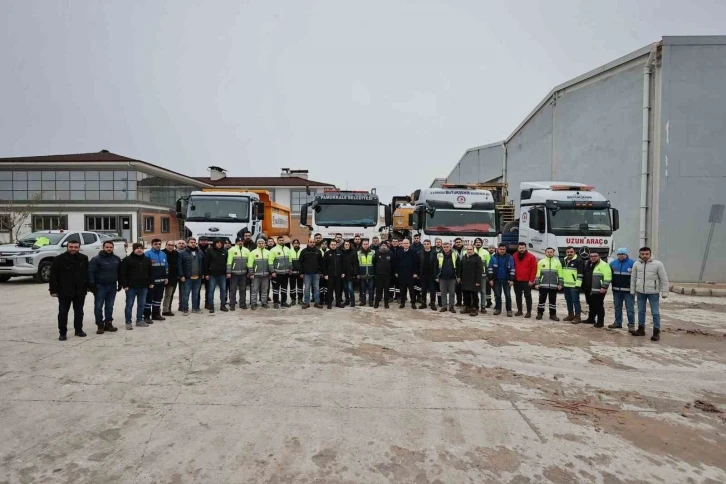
x: 43, y: 274
x: 511, y: 226
x: 5, y: 278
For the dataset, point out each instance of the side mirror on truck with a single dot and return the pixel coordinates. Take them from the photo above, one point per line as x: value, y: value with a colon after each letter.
x: 180, y: 209
x: 616, y: 219
x: 304, y: 215
x: 387, y: 215
x: 260, y: 210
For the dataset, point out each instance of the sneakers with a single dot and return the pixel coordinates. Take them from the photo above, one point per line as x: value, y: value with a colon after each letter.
x: 656, y: 335
x: 109, y: 327
x: 518, y: 313
x: 640, y: 331
x: 615, y: 326
x: 196, y: 311
x: 265, y: 306
x: 509, y: 314
x: 100, y: 328
x: 553, y: 317
x: 539, y: 316
x: 141, y: 324
x: 497, y: 312
x: 254, y: 307
x: 129, y: 326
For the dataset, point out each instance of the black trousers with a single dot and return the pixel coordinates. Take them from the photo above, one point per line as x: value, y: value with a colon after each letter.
x: 545, y: 294
x: 471, y: 299
x: 596, y: 303
x: 64, y: 306
x: 488, y: 292
x: 393, y: 287
x: 428, y: 286
x: 383, y: 286
x: 459, y: 294
x: 279, y: 288
x: 335, y: 288
x: 296, y: 287
x: 407, y: 287
x: 522, y: 288
x: 205, y: 284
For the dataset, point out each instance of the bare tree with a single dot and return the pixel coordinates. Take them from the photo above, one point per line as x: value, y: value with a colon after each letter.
x: 14, y: 216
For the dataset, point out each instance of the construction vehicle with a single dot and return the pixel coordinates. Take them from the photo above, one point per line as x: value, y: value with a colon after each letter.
x: 563, y: 214
x: 349, y: 213
x: 455, y: 211
x: 218, y: 213
x: 402, y: 207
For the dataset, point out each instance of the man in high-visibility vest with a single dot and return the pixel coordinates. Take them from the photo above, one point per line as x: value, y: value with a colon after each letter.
x: 548, y: 281
x: 366, y: 273
x: 280, y: 260
x: 237, y: 257
x: 485, y: 290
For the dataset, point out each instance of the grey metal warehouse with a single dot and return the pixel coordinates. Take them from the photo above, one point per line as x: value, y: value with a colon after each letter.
x: 648, y: 130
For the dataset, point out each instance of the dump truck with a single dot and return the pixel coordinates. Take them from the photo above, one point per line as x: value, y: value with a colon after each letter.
x: 349, y: 213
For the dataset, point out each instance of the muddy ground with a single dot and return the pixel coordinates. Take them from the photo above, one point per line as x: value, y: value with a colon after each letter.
x: 358, y: 395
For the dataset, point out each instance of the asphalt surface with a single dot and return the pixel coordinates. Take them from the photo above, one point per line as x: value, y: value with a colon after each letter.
x: 360, y: 395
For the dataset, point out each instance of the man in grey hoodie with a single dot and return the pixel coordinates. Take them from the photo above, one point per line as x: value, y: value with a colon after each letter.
x: 648, y: 283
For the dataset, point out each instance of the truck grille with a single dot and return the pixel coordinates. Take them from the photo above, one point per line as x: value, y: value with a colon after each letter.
x: 7, y: 263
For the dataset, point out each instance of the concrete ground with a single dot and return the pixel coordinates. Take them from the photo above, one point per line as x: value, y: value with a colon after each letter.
x: 357, y: 395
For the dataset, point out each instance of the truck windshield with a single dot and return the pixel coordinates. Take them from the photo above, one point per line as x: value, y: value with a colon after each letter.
x: 218, y: 209
x: 30, y: 239
x: 342, y: 215
x: 461, y: 222
x: 579, y: 221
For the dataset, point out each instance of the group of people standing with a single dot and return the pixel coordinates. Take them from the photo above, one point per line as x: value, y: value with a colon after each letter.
x: 327, y: 273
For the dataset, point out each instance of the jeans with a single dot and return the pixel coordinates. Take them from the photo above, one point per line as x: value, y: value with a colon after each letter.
x: 311, y: 288
x: 522, y: 288
x: 448, y: 292
x: 367, y: 290
x: 137, y: 294
x: 191, y: 286
x: 349, y: 293
x: 620, y: 297
x: 214, y: 283
x: 502, y: 285
x: 654, y: 300
x: 104, y: 297
x: 64, y: 305
x: 572, y: 298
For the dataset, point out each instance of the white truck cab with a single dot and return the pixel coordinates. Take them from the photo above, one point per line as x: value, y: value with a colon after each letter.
x: 455, y: 211
x: 562, y: 214
x: 349, y: 213
x: 223, y: 215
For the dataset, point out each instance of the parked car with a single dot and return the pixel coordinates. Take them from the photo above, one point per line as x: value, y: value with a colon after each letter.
x: 33, y: 256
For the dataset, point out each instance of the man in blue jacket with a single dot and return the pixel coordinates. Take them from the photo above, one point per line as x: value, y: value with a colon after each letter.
x: 103, y: 283
x: 501, y: 278
x: 622, y: 268
x: 160, y: 272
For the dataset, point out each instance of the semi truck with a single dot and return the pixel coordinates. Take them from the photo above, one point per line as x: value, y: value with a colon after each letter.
x: 455, y: 211
x: 562, y: 214
x: 349, y: 213
x: 227, y: 214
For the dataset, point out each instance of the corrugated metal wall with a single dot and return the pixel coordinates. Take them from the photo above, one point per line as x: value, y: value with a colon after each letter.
x: 692, y: 155
x: 478, y: 165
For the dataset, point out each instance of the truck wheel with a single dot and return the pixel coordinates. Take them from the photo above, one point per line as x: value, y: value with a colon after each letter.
x: 43, y: 274
x: 5, y: 278
x: 511, y: 227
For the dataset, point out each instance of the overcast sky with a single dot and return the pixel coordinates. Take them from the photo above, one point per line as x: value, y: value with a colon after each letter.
x: 385, y: 94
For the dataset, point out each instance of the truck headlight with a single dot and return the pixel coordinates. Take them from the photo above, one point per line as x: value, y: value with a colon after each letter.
x: 29, y: 260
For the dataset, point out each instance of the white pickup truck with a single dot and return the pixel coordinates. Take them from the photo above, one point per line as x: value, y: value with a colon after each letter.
x: 28, y: 257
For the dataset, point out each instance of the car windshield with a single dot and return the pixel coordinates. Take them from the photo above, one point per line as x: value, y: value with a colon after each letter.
x: 351, y: 215
x: 29, y: 240
x: 461, y: 222
x: 218, y: 209
x: 579, y: 221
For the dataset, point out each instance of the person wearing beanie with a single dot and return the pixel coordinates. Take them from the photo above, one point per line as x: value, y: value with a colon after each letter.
x: 622, y: 268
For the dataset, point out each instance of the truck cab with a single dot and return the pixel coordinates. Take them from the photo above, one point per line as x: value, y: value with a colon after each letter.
x: 456, y: 211
x: 221, y: 214
x: 349, y: 213
x: 563, y: 214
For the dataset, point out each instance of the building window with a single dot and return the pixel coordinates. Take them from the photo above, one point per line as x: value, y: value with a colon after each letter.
x: 96, y: 223
x: 148, y: 224
x: 298, y: 198
x: 49, y: 222
x: 4, y: 223
x: 165, y: 225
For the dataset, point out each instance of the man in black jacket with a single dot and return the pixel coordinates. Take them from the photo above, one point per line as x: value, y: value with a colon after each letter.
x: 427, y: 273
x: 172, y: 258
x: 332, y: 272
x: 394, y: 248
x: 136, y: 277
x: 407, y: 264
x: 215, y: 262
x: 103, y: 283
x: 69, y: 283
x: 310, y: 261
x: 383, y: 268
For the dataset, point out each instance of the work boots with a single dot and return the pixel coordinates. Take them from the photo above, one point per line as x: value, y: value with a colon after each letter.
x: 554, y: 317
x: 433, y: 306
x: 528, y: 314
x: 474, y: 312
x: 519, y: 312
x: 157, y: 317
x: 640, y: 331
x: 109, y: 327
x: 539, y: 316
x: 569, y: 317
x: 100, y: 328
x: 443, y: 309
x: 656, y: 335
x: 466, y: 310
x: 576, y: 319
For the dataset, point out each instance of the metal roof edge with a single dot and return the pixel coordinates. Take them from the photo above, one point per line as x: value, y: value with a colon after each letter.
x: 694, y: 40
x: 643, y: 51
x: 476, y: 148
